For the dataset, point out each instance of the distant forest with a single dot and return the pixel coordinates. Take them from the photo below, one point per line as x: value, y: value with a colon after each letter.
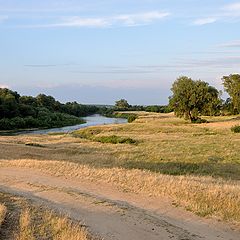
x: 19, y: 112
x: 42, y: 111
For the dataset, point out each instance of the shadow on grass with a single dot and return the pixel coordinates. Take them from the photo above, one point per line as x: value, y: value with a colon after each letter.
x: 223, y: 170
x: 97, y: 158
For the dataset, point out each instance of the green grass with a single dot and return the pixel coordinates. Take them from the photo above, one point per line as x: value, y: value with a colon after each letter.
x: 114, y: 139
x: 235, y: 129
x: 94, y: 135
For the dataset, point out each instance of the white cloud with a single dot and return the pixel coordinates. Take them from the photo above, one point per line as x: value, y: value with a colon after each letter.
x: 141, y: 18
x: 204, y: 21
x: 81, y: 22
x: 231, y: 10
x: 107, y: 21
x: 233, y: 7
x: 224, y: 13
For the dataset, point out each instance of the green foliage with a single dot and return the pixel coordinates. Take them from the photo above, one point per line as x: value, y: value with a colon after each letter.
x: 131, y: 118
x: 122, y: 104
x: 231, y: 85
x: 235, y: 129
x: 19, y: 112
x: 110, y: 112
x: 159, y: 109
x: 199, y: 120
x: 44, y: 120
x: 93, y: 135
x: 114, y: 139
x: 192, y: 98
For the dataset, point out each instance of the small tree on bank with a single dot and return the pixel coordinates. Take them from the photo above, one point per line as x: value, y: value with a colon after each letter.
x: 192, y: 98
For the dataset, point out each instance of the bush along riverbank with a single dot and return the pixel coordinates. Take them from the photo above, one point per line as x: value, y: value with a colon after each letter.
x: 114, y: 114
x: 26, y: 112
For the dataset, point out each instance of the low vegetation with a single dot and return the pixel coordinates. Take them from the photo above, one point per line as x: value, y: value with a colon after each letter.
x: 130, y: 116
x: 3, y: 211
x: 195, y: 165
x: 28, y: 221
x: 96, y: 136
x: 235, y: 129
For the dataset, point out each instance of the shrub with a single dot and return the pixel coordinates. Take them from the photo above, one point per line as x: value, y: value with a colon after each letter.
x: 199, y: 120
x: 34, y: 145
x: 235, y: 129
x: 132, y: 118
x: 114, y: 139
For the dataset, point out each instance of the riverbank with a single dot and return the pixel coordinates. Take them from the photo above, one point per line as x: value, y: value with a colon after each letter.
x: 92, y: 120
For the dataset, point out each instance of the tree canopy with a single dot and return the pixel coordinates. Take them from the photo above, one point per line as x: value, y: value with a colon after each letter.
x: 231, y: 85
x: 42, y: 111
x: 192, y: 98
x: 122, y: 104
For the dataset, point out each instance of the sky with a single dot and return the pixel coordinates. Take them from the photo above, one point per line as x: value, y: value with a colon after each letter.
x: 97, y: 52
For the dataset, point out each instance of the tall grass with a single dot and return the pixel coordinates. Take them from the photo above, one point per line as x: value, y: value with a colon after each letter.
x: 205, y: 196
x: 26, y: 220
x: 50, y: 227
x: 3, y: 211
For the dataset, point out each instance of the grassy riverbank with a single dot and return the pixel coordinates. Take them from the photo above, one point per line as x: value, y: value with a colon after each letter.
x: 195, y: 165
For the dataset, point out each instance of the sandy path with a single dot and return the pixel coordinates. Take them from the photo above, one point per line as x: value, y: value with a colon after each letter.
x: 111, y: 214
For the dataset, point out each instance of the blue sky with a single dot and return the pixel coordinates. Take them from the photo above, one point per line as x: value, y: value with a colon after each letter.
x: 100, y: 51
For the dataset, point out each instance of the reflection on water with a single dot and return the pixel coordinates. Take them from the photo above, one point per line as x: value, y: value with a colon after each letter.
x: 92, y: 120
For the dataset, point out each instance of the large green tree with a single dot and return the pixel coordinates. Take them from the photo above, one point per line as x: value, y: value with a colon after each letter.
x: 231, y: 85
x: 122, y: 104
x: 192, y: 98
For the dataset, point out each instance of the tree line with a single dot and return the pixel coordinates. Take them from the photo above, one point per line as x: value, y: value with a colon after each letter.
x: 190, y: 99
x: 42, y: 111
x: 193, y: 98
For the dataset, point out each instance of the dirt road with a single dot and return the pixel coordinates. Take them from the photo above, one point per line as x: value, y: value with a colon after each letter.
x: 111, y: 214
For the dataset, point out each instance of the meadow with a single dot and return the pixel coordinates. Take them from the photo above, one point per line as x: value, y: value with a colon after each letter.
x: 196, y: 166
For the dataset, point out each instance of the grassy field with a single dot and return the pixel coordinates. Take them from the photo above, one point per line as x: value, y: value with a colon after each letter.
x: 195, y: 165
x: 22, y: 220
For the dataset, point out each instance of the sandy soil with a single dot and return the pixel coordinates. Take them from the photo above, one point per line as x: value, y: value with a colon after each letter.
x: 111, y: 214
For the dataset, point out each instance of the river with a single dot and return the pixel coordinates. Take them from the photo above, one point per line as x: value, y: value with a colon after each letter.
x: 92, y: 120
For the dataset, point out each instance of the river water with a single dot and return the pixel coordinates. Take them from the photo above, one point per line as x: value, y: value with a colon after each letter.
x: 92, y: 120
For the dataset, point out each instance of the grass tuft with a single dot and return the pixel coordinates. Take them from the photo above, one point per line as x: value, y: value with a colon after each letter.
x: 235, y: 129
x: 3, y: 211
x: 34, y: 145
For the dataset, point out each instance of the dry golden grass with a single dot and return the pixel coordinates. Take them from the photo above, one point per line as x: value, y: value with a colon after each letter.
x: 205, y: 196
x: 52, y: 226
x: 197, y: 165
x: 32, y: 222
x: 63, y: 229
x: 3, y: 211
x: 25, y: 229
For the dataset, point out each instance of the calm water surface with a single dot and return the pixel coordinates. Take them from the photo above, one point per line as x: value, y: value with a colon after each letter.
x: 92, y: 120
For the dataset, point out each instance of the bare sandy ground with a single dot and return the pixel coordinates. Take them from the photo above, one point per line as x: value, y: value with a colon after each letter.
x: 111, y: 214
